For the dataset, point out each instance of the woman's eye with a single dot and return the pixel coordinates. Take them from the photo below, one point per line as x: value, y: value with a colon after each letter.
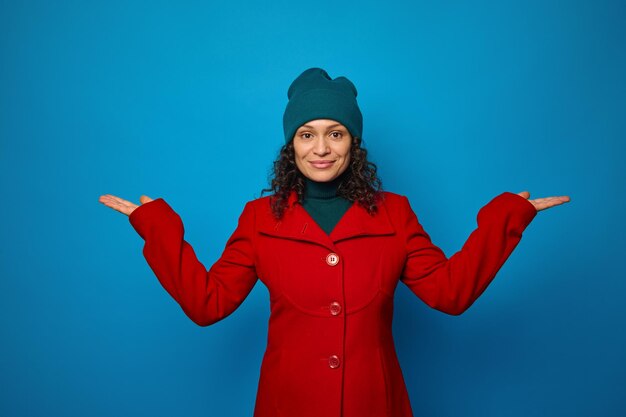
x: 306, y: 136
x: 336, y: 135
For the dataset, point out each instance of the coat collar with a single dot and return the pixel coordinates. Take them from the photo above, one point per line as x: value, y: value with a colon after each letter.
x: 299, y: 225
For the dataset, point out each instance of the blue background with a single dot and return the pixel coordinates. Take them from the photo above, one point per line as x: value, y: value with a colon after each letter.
x: 461, y: 101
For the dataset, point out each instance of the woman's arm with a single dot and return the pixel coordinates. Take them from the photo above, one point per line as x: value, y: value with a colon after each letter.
x: 452, y: 285
x: 205, y: 296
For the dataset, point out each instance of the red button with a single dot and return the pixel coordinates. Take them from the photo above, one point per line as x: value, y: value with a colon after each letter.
x: 335, y: 308
x: 332, y: 259
x: 333, y: 361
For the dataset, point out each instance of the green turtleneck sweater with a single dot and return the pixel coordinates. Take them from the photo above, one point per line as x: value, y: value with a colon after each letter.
x: 322, y: 202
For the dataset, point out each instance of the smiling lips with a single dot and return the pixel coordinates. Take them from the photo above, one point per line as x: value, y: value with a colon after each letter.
x: 321, y: 164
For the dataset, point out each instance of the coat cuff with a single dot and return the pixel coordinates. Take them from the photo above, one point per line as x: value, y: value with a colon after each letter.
x: 147, y: 215
x: 518, y: 210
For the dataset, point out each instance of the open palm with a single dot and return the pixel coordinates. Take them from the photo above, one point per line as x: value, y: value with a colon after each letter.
x: 123, y: 206
x: 546, y: 202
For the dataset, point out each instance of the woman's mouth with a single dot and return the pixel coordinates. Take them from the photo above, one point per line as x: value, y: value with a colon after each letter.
x: 321, y: 164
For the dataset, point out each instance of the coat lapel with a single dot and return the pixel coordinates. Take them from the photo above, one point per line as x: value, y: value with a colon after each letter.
x: 297, y: 224
x: 358, y: 222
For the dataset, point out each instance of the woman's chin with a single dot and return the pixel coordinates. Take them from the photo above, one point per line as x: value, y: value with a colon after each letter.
x: 322, y: 176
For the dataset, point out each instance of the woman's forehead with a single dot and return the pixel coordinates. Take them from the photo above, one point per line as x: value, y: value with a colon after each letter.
x: 321, y: 123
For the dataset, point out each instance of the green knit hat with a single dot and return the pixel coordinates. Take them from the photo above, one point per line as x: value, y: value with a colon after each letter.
x: 314, y: 95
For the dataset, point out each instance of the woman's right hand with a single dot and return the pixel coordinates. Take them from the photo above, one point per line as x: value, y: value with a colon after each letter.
x: 121, y: 205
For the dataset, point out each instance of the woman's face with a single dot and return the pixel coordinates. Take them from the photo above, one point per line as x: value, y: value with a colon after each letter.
x: 322, y: 149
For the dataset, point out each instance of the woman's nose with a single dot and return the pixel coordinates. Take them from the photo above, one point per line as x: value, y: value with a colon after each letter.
x: 321, y: 147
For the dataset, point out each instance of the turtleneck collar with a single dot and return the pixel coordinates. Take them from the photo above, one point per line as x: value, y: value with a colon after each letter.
x: 323, y: 190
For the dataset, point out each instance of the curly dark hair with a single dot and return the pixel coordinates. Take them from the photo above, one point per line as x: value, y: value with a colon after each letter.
x: 362, y: 185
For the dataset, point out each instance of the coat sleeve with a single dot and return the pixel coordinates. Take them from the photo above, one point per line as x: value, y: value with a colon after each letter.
x: 205, y: 296
x: 452, y: 285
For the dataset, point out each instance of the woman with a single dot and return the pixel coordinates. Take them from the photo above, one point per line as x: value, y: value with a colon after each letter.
x: 331, y: 248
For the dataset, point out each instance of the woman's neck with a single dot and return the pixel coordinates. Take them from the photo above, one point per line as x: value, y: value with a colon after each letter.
x: 323, y: 190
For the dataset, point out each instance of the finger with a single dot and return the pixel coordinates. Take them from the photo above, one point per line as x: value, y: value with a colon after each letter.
x: 109, y: 200
x: 562, y: 198
x: 556, y: 196
x: 122, y: 201
x: 524, y: 194
x: 118, y: 204
x: 145, y: 199
x: 120, y: 207
x: 113, y: 203
x: 546, y: 203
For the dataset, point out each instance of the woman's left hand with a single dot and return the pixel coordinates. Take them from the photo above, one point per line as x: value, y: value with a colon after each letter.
x: 545, y: 203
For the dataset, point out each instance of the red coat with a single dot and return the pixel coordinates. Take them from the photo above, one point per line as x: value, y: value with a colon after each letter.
x: 330, y: 350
